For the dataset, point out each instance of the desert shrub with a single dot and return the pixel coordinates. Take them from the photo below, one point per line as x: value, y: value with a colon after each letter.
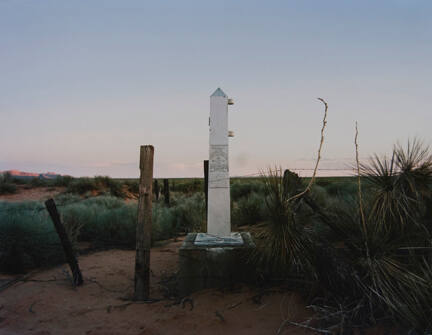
x: 67, y: 198
x: 248, y: 210
x: 102, y: 181
x: 115, y: 225
x: 39, y: 182
x: 101, y: 220
x: 62, y: 181
x: 188, y: 186
x: 132, y: 186
x: 98, y: 184
x: 164, y: 222
x: 7, y: 188
x: 27, y: 237
x: 116, y: 189
x: 371, y: 277
x: 20, y: 181
x: 107, y: 220
x: 6, y: 184
x: 105, y: 182
x: 341, y: 189
x: 7, y: 177
x: 189, y: 212
x: 382, y: 270
x: 82, y: 185
x: 240, y: 189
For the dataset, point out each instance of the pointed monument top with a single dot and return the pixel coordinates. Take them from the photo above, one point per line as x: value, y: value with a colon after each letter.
x: 219, y: 93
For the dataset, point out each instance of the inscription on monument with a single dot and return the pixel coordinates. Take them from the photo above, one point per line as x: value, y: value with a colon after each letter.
x: 218, y: 158
x: 218, y: 167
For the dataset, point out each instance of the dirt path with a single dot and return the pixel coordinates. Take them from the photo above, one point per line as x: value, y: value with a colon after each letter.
x: 47, y: 304
x: 32, y: 194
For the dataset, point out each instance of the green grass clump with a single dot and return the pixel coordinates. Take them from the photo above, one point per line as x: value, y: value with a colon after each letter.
x: 240, y: 189
x: 27, y: 238
x: 248, y: 210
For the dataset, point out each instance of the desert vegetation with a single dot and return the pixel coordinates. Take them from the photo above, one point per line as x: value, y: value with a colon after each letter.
x: 357, y: 248
x: 7, y: 186
x: 362, y: 254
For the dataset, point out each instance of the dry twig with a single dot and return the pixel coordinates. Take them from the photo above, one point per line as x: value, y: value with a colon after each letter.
x: 94, y: 281
x: 324, y: 123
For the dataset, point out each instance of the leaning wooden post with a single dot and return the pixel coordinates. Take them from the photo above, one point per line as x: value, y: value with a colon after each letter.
x: 144, y: 224
x: 206, y: 173
x: 66, y: 243
x: 166, y: 192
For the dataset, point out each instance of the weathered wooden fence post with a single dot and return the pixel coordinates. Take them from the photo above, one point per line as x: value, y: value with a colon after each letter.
x: 156, y: 189
x: 206, y: 174
x: 144, y: 224
x: 66, y: 243
x: 166, y: 192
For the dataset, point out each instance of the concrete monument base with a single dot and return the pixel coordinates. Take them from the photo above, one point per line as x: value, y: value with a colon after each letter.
x: 208, y: 261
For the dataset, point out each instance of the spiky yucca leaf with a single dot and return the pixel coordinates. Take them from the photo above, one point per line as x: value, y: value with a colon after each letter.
x: 400, y: 185
x: 415, y: 165
x: 283, y: 244
x: 393, y: 281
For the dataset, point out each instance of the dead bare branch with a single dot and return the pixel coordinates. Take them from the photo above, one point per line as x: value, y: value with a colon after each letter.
x: 324, y: 123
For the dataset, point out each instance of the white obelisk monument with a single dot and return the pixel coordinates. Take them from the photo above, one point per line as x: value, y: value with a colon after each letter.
x: 218, y: 217
x: 216, y: 258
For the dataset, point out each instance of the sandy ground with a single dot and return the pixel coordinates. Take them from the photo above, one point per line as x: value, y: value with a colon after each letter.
x: 32, y: 194
x: 46, y: 302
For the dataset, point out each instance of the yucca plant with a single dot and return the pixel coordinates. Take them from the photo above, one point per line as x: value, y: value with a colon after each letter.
x: 381, y: 239
x: 283, y: 243
x: 372, y: 276
x: 400, y: 185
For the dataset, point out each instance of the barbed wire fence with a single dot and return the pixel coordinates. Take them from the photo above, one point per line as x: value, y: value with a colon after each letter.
x: 37, y: 209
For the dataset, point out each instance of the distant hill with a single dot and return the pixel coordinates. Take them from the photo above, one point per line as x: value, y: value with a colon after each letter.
x: 25, y: 175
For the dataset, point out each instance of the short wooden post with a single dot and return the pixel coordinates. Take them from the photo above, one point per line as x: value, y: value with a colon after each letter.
x: 156, y: 189
x: 144, y: 224
x: 206, y: 174
x: 66, y: 243
x: 166, y: 192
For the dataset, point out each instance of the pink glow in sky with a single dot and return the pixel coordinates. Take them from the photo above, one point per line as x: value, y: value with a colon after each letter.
x: 84, y: 83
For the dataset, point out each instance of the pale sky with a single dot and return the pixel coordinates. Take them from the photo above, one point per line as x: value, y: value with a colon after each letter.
x: 84, y: 83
